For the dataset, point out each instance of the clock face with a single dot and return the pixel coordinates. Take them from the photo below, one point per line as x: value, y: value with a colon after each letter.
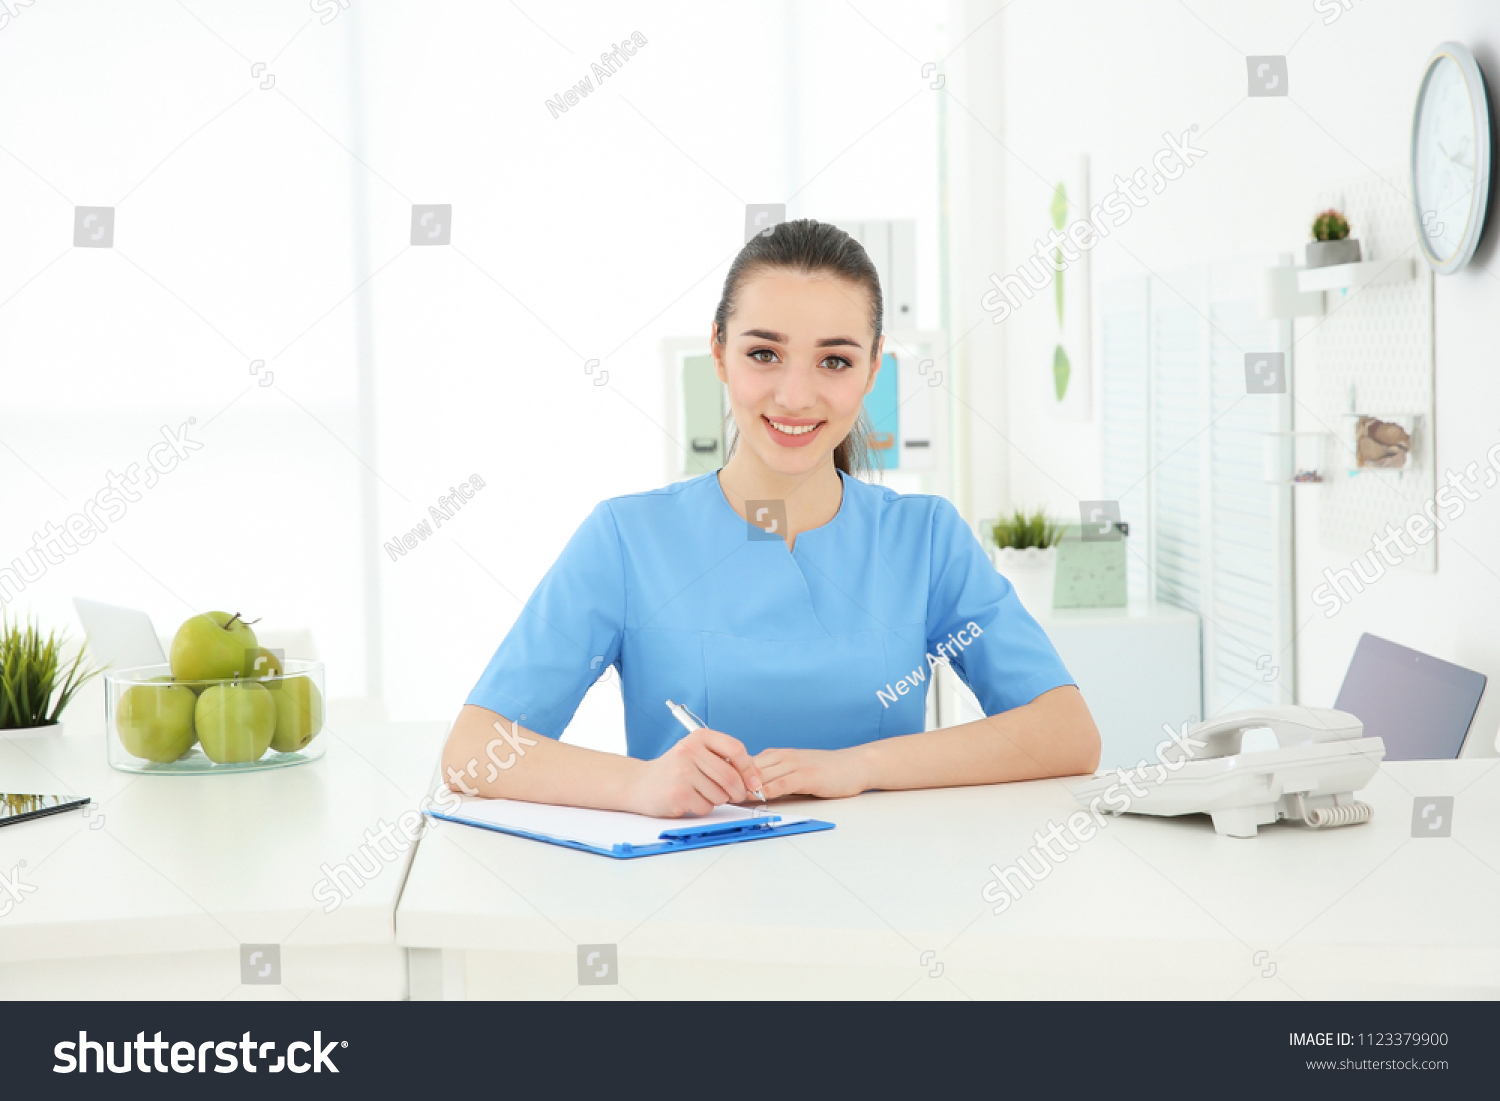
x: 1445, y: 161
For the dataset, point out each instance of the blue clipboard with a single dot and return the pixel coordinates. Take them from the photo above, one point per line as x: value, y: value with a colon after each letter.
x: 675, y: 840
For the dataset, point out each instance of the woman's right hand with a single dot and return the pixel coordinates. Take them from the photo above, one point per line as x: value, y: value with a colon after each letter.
x: 706, y: 769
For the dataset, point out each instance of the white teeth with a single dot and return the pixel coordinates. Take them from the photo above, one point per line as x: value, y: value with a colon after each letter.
x: 794, y: 429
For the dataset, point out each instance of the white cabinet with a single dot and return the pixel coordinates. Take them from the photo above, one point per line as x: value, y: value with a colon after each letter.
x: 1139, y: 668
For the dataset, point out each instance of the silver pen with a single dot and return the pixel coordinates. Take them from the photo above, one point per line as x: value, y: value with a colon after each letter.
x: 693, y: 722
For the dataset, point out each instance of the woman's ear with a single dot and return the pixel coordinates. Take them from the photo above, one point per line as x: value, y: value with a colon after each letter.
x: 717, y: 348
x: 875, y: 361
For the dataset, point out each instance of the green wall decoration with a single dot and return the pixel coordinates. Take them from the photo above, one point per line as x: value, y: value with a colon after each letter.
x: 1062, y: 369
x: 1059, y: 205
x: 1059, y: 218
x: 1055, y: 209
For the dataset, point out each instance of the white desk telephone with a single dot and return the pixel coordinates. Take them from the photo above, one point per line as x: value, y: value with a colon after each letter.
x: 1307, y: 769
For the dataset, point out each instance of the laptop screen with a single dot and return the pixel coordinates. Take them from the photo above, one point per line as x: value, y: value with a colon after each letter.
x: 1421, y: 706
x: 121, y: 638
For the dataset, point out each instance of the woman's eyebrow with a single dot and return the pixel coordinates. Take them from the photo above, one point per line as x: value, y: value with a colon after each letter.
x: 781, y: 338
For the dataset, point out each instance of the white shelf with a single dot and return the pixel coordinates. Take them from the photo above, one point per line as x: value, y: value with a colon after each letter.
x: 1365, y: 273
x: 1296, y: 458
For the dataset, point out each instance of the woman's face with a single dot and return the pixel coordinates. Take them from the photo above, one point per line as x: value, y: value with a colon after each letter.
x: 798, y: 362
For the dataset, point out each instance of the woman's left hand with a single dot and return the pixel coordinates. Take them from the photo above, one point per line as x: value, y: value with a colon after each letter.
x: 826, y: 773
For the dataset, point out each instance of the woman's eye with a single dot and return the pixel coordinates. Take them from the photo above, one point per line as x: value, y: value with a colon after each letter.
x: 756, y: 355
x: 836, y: 363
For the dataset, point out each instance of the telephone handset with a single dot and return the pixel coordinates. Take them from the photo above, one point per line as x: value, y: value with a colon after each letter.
x: 1307, y: 770
x: 1291, y: 726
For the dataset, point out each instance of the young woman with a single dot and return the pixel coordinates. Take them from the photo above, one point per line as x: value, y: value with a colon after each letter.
x: 806, y: 651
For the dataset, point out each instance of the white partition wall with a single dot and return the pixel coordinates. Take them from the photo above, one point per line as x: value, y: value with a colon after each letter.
x: 1184, y: 455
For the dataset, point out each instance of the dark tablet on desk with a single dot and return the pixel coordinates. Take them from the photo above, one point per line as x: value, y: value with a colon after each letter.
x: 18, y: 808
x: 1419, y: 705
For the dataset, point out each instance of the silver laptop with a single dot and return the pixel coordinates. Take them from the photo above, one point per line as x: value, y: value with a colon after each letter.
x: 119, y: 638
x: 1421, y: 706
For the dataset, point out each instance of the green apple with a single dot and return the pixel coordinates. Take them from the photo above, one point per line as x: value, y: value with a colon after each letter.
x: 299, y: 713
x: 213, y: 646
x: 264, y: 666
x: 155, y: 720
x: 235, y: 721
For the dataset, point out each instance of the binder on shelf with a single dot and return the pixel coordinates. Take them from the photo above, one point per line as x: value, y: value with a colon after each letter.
x: 883, y: 405
x: 703, y: 415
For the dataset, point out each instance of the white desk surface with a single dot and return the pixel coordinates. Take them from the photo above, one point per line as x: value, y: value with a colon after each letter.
x: 184, y: 869
x: 1147, y: 908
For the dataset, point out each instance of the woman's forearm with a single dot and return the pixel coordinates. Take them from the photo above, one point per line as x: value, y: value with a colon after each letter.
x: 487, y: 755
x: 1053, y: 735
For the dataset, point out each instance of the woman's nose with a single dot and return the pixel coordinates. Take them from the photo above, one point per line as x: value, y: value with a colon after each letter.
x: 797, y: 389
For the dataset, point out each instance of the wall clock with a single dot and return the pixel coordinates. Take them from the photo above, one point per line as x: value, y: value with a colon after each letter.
x: 1450, y: 158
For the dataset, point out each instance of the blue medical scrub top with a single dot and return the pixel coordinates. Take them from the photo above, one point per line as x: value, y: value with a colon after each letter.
x: 827, y: 646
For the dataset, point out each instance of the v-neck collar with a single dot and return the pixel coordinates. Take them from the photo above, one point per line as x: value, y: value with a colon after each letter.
x: 729, y: 509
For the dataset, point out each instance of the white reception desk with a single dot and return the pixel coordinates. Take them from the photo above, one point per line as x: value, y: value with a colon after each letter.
x: 158, y: 900
x: 155, y: 900
x: 890, y: 905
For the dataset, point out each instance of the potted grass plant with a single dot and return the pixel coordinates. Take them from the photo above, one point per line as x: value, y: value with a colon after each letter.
x: 37, y: 681
x: 1025, y: 552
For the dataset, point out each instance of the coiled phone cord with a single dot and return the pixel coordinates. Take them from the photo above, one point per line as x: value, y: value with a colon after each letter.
x: 1349, y: 814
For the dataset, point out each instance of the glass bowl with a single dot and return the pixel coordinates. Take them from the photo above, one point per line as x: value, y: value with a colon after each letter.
x: 156, y: 724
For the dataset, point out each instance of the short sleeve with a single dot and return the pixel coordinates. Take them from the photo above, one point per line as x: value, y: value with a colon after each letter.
x: 565, y: 637
x: 973, y: 613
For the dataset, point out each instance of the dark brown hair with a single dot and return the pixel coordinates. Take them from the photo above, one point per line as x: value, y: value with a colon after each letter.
x: 809, y: 246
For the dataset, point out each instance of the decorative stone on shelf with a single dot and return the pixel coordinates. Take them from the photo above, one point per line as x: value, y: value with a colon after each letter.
x: 1384, y: 442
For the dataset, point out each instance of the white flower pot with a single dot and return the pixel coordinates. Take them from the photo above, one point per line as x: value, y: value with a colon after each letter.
x: 49, y: 731
x: 1031, y: 571
x: 1323, y: 254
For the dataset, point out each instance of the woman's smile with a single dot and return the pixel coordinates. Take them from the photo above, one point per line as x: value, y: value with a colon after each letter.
x: 792, y: 431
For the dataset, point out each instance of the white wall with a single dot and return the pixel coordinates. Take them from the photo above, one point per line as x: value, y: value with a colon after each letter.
x: 232, y: 239
x: 599, y: 233
x: 277, y: 227
x: 1108, y: 79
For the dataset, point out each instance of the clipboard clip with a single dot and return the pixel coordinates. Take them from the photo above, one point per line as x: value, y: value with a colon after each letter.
x: 761, y: 823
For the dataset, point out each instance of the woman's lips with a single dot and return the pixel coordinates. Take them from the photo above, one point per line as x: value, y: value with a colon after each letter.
x: 788, y: 439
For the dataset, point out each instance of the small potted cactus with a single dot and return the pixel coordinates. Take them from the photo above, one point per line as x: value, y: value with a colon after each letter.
x: 1331, y: 243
